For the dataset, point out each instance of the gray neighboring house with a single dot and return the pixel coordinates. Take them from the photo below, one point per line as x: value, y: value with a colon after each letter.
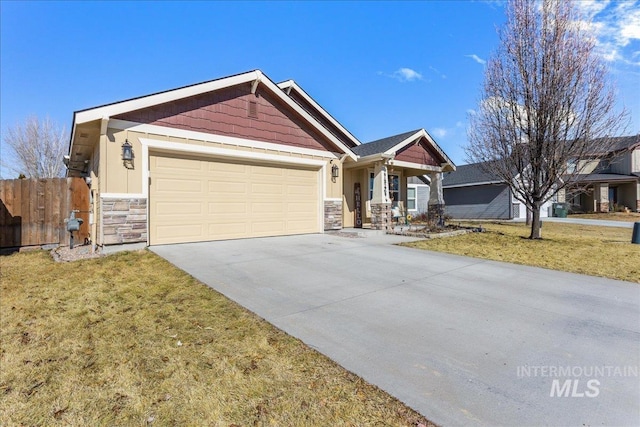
x: 418, y: 186
x: 471, y: 193
x: 610, y: 183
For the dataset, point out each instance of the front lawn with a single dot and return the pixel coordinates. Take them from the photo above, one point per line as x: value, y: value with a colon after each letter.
x: 593, y: 250
x: 130, y: 340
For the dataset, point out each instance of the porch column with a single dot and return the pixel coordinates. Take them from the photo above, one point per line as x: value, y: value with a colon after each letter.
x: 601, y: 197
x: 436, y: 200
x: 638, y: 197
x: 380, y: 202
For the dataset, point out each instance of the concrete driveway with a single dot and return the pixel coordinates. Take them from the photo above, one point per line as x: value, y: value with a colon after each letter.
x: 461, y: 340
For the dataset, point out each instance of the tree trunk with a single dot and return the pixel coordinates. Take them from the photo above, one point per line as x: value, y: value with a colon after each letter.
x: 535, y: 223
x: 528, y: 220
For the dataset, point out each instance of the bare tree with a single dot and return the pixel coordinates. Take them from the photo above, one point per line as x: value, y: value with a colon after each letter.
x: 36, y: 148
x: 546, y: 102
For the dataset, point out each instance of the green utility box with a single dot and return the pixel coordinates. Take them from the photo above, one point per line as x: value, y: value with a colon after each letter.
x: 560, y: 210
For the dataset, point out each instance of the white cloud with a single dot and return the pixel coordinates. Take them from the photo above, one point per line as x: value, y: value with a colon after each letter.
x: 440, y: 132
x: 471, y: 112
x: 476, y: 58
x: 403, y: 75
x: 459, y: 124
x: 616, y: 26
x: 407, y: 75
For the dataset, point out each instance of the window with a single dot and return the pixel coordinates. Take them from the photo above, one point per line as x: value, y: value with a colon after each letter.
x: 412, y: 198
x: 394, y: 188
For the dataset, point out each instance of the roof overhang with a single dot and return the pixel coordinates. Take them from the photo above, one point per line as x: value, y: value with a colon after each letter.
x: 256, y: 77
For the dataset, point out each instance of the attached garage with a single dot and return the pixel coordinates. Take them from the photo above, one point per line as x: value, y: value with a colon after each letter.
x: 195, y: 199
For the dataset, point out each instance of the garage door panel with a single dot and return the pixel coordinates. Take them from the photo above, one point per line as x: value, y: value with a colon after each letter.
x: 171, y: 164
x: 228, y: 208
x: 178, y: 184
x: 266, y: 189
x: 267, y: 208
x: 180, y: 231
x: 265, y: 228
x: 228, y: 230
x: 193, y: 199
x: 299, y: 207
x: 179, y: 209
x: 222, y: 187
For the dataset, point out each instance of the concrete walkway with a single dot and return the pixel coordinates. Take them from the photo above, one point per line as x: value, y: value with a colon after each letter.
x: 463, y: 341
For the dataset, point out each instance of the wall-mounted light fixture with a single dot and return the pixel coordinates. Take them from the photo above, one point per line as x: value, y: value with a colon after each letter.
x: 127, y: 154
x: 335, y: 172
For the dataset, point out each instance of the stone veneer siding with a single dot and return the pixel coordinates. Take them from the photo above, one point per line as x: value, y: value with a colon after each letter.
x: 332, y: 215
x: 602, y: 206
x: 638, y: 205
x: 124, y: 221
x: 381, y: 216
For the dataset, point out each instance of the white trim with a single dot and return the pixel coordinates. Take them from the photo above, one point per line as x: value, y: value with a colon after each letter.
x: 472, y: 184
x: 123, y: 196
x: 225, y: 152
x: 177, y: 147
x: 415, y: 187
x: 175, y: 94
x: 434, y: 145
x: 160, y: 98
x: 289, y: 84
x: 215, y: 152
x: 221, y: 139
x: 410, y: 165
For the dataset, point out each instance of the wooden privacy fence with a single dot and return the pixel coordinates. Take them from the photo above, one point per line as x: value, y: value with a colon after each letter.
x: 32, y: 211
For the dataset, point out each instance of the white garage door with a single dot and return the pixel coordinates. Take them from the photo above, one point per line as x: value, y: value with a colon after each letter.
x: 193, y: 199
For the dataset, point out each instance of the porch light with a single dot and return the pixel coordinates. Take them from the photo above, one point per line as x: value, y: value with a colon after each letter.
x: 127, y: 151
x: 335, y: 171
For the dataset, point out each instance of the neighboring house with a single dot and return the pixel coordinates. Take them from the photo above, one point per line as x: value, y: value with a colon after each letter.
x: 611, y: 183
x: 471, y: 193
x: 238, y: 157
x: 418, y: 193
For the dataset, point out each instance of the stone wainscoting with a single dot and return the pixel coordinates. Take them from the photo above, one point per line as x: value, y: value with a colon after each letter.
x: 381, y: 216
x: 333, y: 215
x: 602, y: 206
x: 124, y: 221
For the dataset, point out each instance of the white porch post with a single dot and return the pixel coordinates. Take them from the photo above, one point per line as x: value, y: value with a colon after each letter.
x: 436, y: 200
x: 601, y: 197
x: 380, y: 202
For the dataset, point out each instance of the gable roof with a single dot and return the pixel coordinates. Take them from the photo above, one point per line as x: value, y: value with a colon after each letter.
x: 290, y: 85
x: 621, y: 143
x: 470, y: 174
x: 256, y: 77
x: 393, y: 144
x: 382, y: 145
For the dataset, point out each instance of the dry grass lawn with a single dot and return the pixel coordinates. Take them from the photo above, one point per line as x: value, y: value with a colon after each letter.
x: 597, y: 251
x: 130, y: 340
x: 610, y: 216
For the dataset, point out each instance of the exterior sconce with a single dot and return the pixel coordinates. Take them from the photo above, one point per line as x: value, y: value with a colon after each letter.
x: 127, y: 154
x: 335, y: 172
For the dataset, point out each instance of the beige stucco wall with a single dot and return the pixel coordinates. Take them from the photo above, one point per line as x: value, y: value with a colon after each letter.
x: 116, y: 178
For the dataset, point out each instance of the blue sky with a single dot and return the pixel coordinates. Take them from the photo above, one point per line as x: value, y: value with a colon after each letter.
x: 380, y: 68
